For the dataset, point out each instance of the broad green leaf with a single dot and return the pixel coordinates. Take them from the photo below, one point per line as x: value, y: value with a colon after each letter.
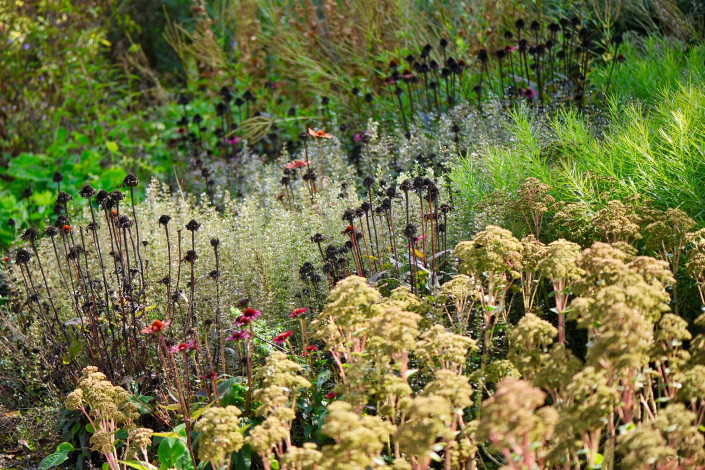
x: 169, y: 452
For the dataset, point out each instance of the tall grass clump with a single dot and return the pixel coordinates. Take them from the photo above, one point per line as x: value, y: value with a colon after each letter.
x: 654, y: 151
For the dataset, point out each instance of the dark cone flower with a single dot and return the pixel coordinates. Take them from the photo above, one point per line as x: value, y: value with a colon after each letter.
x: 58, y: 177
x: 410, y: 231
x: 317, y: 238
x: 164, y: 220
x: 101, y: 196
x: 117, y: 196
x: 30, y: 234
x: 215, y: 242
x: 193, y: 226
x: 130, y: 181
x: 23, y: 256
x: 63, y: 197
x: 51, y: 231
x: 87, y: 191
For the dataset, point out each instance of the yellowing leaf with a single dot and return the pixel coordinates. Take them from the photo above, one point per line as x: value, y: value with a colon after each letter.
x: 111, y: 146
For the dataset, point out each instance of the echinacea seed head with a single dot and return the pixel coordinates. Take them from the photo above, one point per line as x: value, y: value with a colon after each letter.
x: 124, y: 222
x: 197, y: 119
x: 519, y: 24
x: 117, y: 196
x: 101, y: 196
x: 554, y: 27
x: 130, y: 180
x: 11, y: 222
x: 317, y: 238
x: 63, y: 197
x: 87, y: 191
x: 22, y: 256
x: 482, y: 56
x: 343, y: 127
x: 365, y: 207
x: 215, y: 242
x: 58, y: 177
x: 31, y: 234
x: 410, y: 230
x: 193, y: 226
x: 164, y: 220
x: 444, y: 43
x: 535, y: 26
x: 303, y: 136
x: 325, y: 101
x: 51, y: 231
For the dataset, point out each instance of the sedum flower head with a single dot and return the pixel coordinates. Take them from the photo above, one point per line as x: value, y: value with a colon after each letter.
x: 220, y: 433
x: 498, y: 370
x: 493, y: 250
x: 428, y: 420
x: 393, y: 330
x: 357, y: 440
x: 302, y: 458
x: 441, y: 349
x: 509, y: 415
x: 529, y: 341
x: 558, y: 261
x: 670, y: 440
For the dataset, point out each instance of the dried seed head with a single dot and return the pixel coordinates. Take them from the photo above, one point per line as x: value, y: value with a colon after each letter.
x: 317, y: 238
x: 535, y: 26
x: 410, y: 231
x: 51, y: 231
x: 215, y: 242
x: 519, y: 24
x: 191, y: 256
x: 63, y: 197
x: 30, y: 234
x: 22, y: 256
x: 101, y: 196
x: 193, y: 226
x: 130, y: 180
x: 117, y: 196
x: 124, y: 222
x: 87, y: 191
x: 11, y: 222
x: 58, y: 177
x: 164, y: 220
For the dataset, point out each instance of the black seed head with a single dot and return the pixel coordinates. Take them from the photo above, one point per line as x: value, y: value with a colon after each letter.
x: 63, y: 197
x: 519, y: 24
x: 51, y: 231
x: 410, y: 230
x: 368, y: 182
x: 215, y: 242
x: 130, y: 180
x: 192, y: 226
x: 117, y: 196
x: 87, y: 191
x: 30, y: 234
x: 535, y: 25
x: 58, y: 177
x: 164, y: 220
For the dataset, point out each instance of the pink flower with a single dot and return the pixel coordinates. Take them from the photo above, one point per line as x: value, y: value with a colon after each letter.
x: 331, y: 395
x: 252, y: 314
x: 235, y: 140
x: 242, y: 320
x: 357, y: 138
x: 529, y: 94
x: 155, y: 327
x: 281, y: 337
x: 319, y: 133
x: 238, y: 335
x: 298, y: 312
x: 184, y: 347
x: 297, y: 164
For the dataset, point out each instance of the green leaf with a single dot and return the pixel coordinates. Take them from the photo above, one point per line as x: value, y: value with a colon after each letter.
x: 111, y: 146
x: 138, y: 465
x: 65, y: 447
x: 57, y: 458
x: 169, y: 452
x: 90, y: 428
x: 106, y: 466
